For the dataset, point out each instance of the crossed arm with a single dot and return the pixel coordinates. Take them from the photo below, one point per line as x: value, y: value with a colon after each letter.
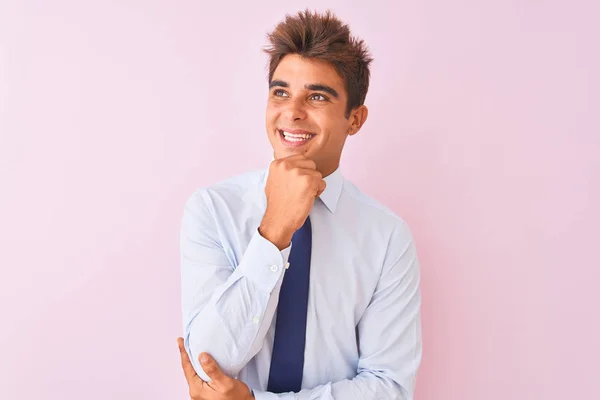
x: 227, y: 313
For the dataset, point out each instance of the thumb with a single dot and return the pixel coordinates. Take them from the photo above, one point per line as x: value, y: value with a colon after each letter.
x: 211, y: 368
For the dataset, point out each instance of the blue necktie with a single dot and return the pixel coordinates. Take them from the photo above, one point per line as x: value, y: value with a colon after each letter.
x: 287, y: 360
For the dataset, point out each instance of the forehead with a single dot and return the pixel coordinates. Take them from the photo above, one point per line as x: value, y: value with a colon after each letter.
x: 299, y: 71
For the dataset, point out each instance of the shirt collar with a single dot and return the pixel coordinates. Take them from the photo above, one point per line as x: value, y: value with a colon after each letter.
x: 332, y: 192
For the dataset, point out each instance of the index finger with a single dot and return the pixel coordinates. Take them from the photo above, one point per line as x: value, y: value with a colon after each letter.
x: 301, y: 161
x: 186, y: 364
x: 295, y: 157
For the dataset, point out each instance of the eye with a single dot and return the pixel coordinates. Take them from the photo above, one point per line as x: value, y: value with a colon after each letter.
x: 279, y: 93
x: 318, y: 97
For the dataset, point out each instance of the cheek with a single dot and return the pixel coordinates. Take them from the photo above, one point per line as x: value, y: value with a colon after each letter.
x: 271, y: 108
x: 272, y: 114
x: 333, y: 125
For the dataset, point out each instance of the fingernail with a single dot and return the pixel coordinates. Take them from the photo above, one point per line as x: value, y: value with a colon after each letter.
x: 203, y: 358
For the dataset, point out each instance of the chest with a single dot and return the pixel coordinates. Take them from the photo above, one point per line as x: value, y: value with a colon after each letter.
x: 346, y: 260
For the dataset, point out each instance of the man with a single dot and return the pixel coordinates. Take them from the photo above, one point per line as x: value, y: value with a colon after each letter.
x: 295, y: 285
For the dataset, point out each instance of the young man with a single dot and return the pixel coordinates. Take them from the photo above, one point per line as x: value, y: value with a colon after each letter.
x: 293, y: 281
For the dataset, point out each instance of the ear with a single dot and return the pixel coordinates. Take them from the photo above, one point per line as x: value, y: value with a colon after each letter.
x: 358, y: 116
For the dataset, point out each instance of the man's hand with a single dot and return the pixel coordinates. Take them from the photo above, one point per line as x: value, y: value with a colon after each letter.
x: 292, y: 186
x: 221, y: 387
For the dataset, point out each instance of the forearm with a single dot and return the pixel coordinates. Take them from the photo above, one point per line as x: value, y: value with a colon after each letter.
x: 390, y: 338
x: 365, y: 385
x: 232, y: 323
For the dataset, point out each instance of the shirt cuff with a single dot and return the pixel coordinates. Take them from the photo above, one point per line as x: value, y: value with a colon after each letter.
x: 263, y: 264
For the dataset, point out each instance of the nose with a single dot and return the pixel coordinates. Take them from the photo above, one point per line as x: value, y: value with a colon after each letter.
x: 295, y: 110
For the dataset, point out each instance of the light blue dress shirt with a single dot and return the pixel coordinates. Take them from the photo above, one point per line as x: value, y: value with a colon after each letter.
x: 363, y: 338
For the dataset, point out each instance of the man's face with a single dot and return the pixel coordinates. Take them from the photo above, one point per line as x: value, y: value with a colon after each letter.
x: 306, y: 112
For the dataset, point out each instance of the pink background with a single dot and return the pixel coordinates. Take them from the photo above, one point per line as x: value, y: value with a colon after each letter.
x: 483, y: 134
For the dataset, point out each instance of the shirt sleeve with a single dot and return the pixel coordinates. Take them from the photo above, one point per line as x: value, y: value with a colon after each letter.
x: 390, y: 344
x: 227, y: 310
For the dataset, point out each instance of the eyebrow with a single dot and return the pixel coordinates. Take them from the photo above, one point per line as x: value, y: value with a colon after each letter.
x: 313, y: 86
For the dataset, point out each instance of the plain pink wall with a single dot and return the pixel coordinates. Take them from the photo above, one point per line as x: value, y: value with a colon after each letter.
x: 483, y: 134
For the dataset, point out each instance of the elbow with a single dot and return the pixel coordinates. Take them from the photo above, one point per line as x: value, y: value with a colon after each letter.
x: 201, y: 340
x: 385, y: 385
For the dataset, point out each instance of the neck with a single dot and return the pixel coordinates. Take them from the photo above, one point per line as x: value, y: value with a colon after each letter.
x: 329, y: 168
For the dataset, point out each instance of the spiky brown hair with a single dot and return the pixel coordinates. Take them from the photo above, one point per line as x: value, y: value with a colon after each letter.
x: 326, y: 38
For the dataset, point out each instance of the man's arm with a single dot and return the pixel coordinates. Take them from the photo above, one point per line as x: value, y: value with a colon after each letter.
x: 226, y: 312
x: 389, y: 335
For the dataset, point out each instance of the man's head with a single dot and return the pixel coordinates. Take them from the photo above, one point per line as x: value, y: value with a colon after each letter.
x: 318, y: 81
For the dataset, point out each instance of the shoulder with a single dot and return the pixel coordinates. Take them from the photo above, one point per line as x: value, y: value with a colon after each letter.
x: 383, y: 224
x: 230, y: 191
x: 370, y: 207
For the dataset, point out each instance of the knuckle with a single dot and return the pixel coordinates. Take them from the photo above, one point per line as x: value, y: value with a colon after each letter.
x: 306, y: 179
x: 209, y: 369
x: 194, y: 393
x: 228, y: 387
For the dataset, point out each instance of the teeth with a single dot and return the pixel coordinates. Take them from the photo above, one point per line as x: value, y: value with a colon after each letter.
x: 296, y: 137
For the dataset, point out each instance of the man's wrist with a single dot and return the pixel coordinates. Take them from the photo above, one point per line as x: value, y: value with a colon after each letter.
x: 280, y: 237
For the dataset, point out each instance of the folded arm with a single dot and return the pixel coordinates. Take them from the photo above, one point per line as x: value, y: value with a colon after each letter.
x: 389, y: 336
x: 226, y: 311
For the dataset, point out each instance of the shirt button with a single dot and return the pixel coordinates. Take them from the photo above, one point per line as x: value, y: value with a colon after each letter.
x: 255, y: 319
x: 274, y: 268
x: 287, y: 265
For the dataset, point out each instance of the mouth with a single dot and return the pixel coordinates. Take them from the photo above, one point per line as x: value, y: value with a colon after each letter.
x: 294, y: 137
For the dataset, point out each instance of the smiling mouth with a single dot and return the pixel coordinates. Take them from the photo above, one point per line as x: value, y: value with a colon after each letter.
x: 295, y: 138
